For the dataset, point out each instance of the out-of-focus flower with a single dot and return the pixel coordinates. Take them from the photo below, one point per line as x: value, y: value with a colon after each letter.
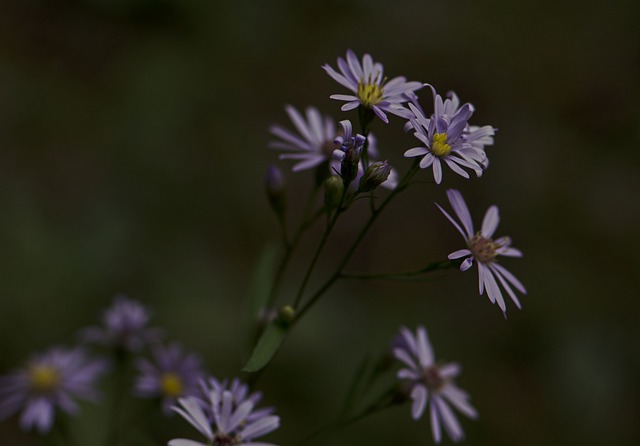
x: 226, y: 416
x: 485, y: 250
x: 446, y: 138
x: 172, y: 374
x: 313, y: 144
x: 124, y: 326
x: 371, y: 89
x: 432, y: 384
x: 50, y: 380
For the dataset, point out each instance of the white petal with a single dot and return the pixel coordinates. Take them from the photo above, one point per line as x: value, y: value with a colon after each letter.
x: 425, y: 351
x: 194, y: 414
x: 299, y: 122
x: 459, y: 253
x: 437, y: 170
x: 449, y: 420
x: 510, y: 277
x: 435, y: 422
x: 490, y: 222
x: 416, y: 151
x: 419, y: 396
x: 459, y: 399
x: 184, y: 442
x: 461, y: 210
x: 453, y: 222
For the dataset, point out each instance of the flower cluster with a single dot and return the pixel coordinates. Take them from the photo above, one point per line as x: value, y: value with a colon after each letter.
x: 349, y: 165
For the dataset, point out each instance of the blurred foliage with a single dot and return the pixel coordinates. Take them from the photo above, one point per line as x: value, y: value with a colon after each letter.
x: 132, y: 151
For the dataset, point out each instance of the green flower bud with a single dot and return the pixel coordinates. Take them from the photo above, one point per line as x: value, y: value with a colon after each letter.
x: 333, y: 189
x: 376, y: 174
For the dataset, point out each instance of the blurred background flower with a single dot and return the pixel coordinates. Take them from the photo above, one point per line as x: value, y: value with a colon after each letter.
x: 133, y: 144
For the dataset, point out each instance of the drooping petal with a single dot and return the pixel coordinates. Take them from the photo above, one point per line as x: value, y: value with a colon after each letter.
x: 419, y: 396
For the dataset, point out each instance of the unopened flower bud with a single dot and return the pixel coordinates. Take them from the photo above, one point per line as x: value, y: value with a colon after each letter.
x: 275, y: 186
x: 287, y: 314
x: 376, y: 174
x: 333, y: 190
x: 349, y: 164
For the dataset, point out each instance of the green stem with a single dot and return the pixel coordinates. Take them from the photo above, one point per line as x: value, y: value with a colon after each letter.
x: 385, y: 401
x: 434, y: 266
x: 290, y: 246
x: 376, y: 212
x: 316, y: 255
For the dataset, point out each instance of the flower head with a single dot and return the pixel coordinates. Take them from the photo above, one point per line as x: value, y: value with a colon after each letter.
x: 226, y: 415
x: 431, y: 383
x: 50, y: 380
x: 124, y: 326
x: 484, y: 249
x: 446, y: 137
x: 171, y: 375
x: 313, y: 144
x: 371, y: 89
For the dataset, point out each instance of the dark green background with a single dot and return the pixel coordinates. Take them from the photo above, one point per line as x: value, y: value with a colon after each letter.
x: 132, y: 150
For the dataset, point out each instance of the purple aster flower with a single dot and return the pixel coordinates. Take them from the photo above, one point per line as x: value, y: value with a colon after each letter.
x: 445, y: 137
x: 226, y: 417
x: 124, y: 326
x: 50, y: 380
x: 171, y: 375
x: 371, y: 88
x: 313, y: 144
x: 432, y: 384
x: 485, y: 250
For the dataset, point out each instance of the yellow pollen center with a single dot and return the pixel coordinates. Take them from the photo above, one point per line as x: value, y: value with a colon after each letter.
x: 171, y: 384
x: 44, y: 378
x: 439, y: 146
x: 483, y: 248
x: 370, y: 92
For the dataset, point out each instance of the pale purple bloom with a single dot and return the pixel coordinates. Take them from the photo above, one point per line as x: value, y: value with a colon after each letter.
x: 447, y: 138
x: 172, y: 374
x: 124, y: 326
x: 432, y: 384
x: 312, y: 145
x: 225, y: 416
x: 49, y: 381
x: 371, y: 89
x: 484, y: 249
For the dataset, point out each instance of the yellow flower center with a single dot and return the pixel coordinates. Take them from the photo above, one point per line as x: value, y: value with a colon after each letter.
x: 171, y: 384
x: 370, y: 92
x: 44, y: 378
x: 439, y: 146
x: 483, y: 248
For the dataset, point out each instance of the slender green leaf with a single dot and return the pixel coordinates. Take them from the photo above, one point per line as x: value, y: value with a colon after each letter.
x: 267, y: 346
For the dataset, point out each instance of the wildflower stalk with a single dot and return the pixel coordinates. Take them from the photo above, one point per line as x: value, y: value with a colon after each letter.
x: 323, y: 241
x: 431, y: 267
x: 291, y: 245
x: 338, y: 272
x: 384, y: 401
